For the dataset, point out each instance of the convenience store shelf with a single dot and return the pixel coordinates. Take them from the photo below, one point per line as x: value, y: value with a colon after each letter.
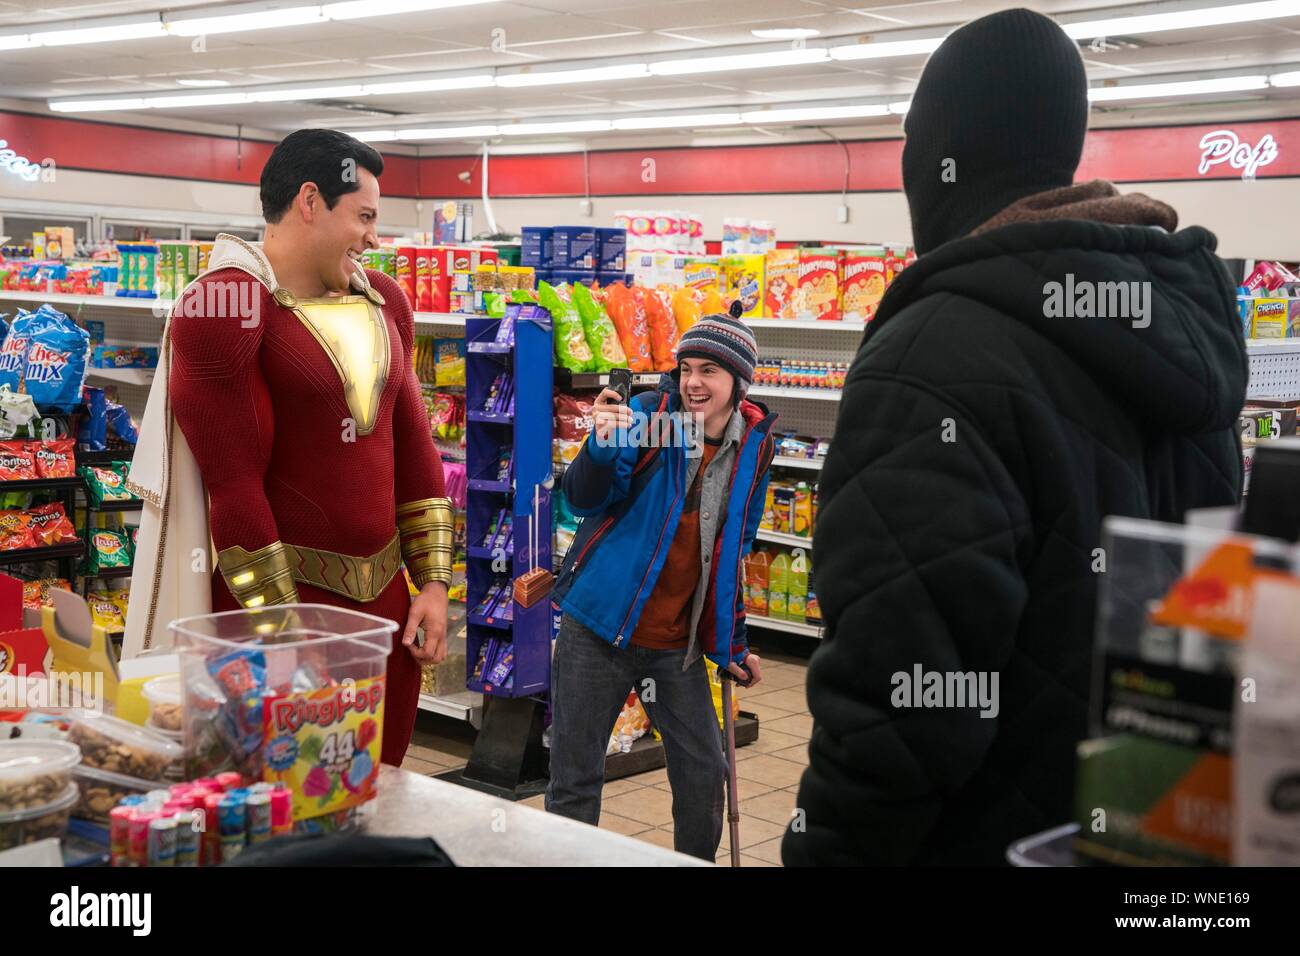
x: 127, y: 376
x: 790, y: 627
x: 812, y: 464
x: 776, y: 391
x: 1273, y: 345
x: 815, y: 324
x: 440, y: 318
x: 67, y: 549
x: 777, y: 537
x: 104, y: 301
x: 461, y: 706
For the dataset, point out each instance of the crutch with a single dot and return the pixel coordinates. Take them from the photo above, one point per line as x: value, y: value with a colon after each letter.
x: 733, y: 802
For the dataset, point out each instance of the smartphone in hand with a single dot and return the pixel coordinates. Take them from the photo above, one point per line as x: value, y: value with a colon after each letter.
x: 620, y: 380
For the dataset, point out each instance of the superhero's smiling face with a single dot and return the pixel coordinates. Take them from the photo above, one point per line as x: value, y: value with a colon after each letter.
x: 343, y: 233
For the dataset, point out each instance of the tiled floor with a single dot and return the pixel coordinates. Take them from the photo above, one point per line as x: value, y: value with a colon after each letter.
x: 767, y: 771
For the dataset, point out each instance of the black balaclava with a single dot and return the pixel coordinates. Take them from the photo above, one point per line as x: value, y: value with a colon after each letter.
x: 1005, y: 98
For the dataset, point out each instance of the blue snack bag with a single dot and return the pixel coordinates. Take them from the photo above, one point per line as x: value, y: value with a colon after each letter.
x: 92, y: 433
x: 18, y: 338
x: 119, y: 419
x: 57, y: 358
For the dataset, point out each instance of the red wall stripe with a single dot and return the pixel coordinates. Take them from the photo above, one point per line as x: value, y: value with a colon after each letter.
x: 1132, y: 154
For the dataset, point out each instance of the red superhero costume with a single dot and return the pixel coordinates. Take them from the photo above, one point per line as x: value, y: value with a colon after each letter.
x: 310, y: 432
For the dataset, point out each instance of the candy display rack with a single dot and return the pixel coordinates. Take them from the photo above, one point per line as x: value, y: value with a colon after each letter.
x: 508, y: 381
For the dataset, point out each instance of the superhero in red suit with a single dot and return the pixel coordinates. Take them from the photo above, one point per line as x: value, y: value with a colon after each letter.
x: 307, y: 422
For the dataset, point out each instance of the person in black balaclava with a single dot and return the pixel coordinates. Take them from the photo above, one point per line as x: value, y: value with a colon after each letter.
x: 985, y: 430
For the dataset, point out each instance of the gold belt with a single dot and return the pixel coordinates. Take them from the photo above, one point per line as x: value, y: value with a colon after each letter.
x: 362, y: 579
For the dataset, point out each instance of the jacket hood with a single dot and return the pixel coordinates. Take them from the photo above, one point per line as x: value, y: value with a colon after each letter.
x: 1151, y: 316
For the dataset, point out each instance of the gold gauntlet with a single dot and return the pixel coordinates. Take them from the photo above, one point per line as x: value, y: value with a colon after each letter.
x: 425, y: 527
x: 258, y: 578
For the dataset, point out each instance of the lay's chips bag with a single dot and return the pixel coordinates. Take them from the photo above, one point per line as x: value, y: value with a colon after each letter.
x: 56, y: 363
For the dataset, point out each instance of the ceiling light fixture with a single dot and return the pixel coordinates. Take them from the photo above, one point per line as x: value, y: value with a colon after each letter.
x: 742, y: 61
x: 239, y: 22
x: 202, y: 83
x: 573, y: 126
x: 814, y: 113
x: 358, y: 9
x: 1137, y: 91
x: 430, y: 85
x: 677, y: 122
x: 620, y: 71
x: 785, y: 33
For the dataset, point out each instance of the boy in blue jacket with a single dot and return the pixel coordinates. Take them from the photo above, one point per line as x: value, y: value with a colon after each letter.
x: 671, y: 488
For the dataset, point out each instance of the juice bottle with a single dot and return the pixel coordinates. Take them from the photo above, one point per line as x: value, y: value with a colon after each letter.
x: 778, y: 585
x: 797, y: 600
x: 756, y: 580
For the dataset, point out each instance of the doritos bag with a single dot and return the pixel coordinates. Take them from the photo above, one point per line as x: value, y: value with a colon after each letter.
x: 56, y: 363
x: 17, y: 461
x: 55, y: 458
x: 627, y: 311
x: 50, y: 525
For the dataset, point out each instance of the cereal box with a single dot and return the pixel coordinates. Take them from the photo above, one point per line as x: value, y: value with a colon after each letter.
x: 1270, y: 319
x: 865, y: 277
x: 782, y: 281
x: 818, y: 293
x: 704, y: 274
x: 744, y: 277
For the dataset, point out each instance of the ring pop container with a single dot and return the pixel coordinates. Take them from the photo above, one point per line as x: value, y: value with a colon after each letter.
x: 291, y: 694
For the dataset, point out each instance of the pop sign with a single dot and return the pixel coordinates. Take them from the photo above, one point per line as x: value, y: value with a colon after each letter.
x: 20, y: 166
x: 1223, y: 146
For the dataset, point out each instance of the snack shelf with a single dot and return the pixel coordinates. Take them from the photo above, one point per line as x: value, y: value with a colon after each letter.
x: 440, y: 318
x: 498, y: 418
x: 837, y: 326
x: 66, y: 549
x: 486, y: 484
x: 42, y: 484
x: 777, y: 537
x: 490, y: 348
x: 460, y: 706
x: 134, y: 504
x: 482, y: 621
x: 104, y: 457
x: 580, y: 380
x: 1272, y: 345
x: 790, y: 627
x: 127, y: 376
x: 110, y: 573
x: 777, y: 391
x: 812, y: 464
x: 63, y: 298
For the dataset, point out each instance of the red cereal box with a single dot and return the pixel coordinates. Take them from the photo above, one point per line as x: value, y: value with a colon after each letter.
x: 782, y: 281
x: 866, y: 273
x: 17, y: 461
x: 405, y: 264
x: 55, y: 458
x: 818, y: 294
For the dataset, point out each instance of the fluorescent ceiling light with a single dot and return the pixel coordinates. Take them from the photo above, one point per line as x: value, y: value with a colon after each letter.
x: 785, y: 33
x: 195, y: 99
x: 375, y: 135
x: 313, y: 93
x: 1137, y: 91
x: 189, y: 82
x: 814, y: 113
x: 1182, y: 19
x: 677, y: 122
x: 900, y: 108
x: 742, y: 61
x: 17, y: 41
x: 96, y: 106
x: 104, y: 34
x: 573, y: 126
x: 888, y: 48
x: 356, y: 9
x: 1285, y: 79
x: 431, y: 85
x: 456, y: 132
x: 621, y: 71
x: 238, y: 22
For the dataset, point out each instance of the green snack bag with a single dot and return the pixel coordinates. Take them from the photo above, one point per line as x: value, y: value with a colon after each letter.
x: 108, y: 549
x: 494, y: 305
x: 104, y: 484
x: 601, y: 335
x: 571, y: 349
x: 123, y: 468
x: 523, y: 296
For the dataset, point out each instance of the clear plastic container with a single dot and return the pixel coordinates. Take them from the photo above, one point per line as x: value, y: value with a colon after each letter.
x: 164, y: 697
x: 290, y: 694
x: 119, y: 746
x: 18, y: 827
x: 34, y: 772
x: 101, y: 791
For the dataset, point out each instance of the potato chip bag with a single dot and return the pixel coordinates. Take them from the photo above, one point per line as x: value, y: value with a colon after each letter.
x: 571, y: 349
x: 50, y: 525
x: 627, y: 311
x: 688, y: 307
x: 602, y: 337
x: 105, y: 612
x: 16, y: 531
x: 663, y: 328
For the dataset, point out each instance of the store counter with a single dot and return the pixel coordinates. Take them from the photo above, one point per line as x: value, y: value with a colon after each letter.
x: 476, y: 829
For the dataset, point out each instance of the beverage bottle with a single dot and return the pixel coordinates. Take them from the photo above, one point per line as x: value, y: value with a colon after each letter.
x: 778, y: 586
x: 797, y: 600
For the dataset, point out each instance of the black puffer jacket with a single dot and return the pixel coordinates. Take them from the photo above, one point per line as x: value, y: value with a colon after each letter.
x: 977, y: 553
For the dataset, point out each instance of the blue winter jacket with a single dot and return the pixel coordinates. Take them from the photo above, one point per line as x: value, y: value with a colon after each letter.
x: 630, y: 500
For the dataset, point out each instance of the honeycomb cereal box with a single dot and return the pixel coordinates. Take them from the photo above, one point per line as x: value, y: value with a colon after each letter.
x: 782, y: 281
x: 818, y: 293
x: 744, y: 278
x: 866, y: 273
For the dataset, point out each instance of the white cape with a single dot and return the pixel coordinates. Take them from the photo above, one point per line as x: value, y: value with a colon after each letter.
x: 174, y: 556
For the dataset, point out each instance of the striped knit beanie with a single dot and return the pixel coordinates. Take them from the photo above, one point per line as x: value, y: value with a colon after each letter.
x: 723, y: 339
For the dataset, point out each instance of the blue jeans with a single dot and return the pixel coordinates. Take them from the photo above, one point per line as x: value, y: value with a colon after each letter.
x: 590, y: 681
